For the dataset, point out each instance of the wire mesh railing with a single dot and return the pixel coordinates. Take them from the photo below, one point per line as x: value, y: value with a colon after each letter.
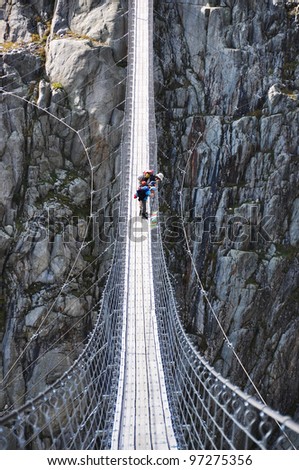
x: 208, y: 412
x: 76, y: 412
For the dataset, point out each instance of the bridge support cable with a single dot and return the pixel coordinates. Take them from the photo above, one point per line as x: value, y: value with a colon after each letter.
x: 142, y: 418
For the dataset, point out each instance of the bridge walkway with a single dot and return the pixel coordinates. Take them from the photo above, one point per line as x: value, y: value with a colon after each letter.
x: 142, y: 419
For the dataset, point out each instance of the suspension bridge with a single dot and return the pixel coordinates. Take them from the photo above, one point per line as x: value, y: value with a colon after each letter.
x: 140, y: 383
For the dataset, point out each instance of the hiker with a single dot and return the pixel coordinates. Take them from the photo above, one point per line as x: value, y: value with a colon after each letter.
x: 142, y: 194
x: 146, y: 176
x: 159, y: 177
x: 149, y: 176
x: 153, y: 190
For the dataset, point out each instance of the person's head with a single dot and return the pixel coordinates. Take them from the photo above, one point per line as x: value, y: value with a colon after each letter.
x: 143, y: 183
x: 159, y: 176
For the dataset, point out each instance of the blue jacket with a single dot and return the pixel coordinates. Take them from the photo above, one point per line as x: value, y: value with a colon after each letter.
x: 142, y: 193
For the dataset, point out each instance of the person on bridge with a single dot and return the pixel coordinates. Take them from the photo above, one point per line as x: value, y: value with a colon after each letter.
x: 142, y: 194
x: 159, y: 177
x: 153, y: 188
x: 149, y: 176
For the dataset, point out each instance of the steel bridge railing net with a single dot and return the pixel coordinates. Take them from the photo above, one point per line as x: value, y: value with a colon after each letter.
x: 207, y: 411
x: 76, y: 412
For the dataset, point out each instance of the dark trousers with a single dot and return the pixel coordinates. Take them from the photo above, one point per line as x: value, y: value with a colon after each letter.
x: 143, y: 205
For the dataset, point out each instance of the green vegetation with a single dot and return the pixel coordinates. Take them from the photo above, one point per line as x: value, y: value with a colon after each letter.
x: 40, y: 43
x: 35, y: 38
x: 258, y: 113
x: 80, y: 37
x: 57, y: 86
x: 251, y: 281
x: 288, y: 71
x: 210, y: 269
x: 89, y: 258
x: 164, y: 208
x: 287, y: 251
x: 47, y: 31
x: 2, y: 313
x: 294, y: 296
x: 34, y: 288
x: 9, y: 46
x: 61, y: 197
x: 2, y: 308
x: 291, y: 93
x: 292, y: 11
x: 2, y: 318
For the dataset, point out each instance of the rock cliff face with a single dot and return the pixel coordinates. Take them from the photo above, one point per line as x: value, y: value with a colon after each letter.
x: 59, y: 179
x: 227, y: 104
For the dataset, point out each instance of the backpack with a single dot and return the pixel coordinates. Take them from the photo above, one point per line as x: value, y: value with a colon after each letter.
x: 142, y: 193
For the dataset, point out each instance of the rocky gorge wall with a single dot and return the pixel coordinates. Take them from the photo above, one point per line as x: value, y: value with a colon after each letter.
x: 59, y: 179
x: 227, y: 83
